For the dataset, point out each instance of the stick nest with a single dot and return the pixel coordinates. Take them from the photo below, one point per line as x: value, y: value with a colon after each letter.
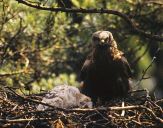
x: 139, y: 110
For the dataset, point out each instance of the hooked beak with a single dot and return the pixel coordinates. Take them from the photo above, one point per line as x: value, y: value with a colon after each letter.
x: 102, y: 42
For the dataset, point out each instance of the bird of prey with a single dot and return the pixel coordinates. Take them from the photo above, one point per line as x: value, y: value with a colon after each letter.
x: 65, y: 96
x: 105, y: 73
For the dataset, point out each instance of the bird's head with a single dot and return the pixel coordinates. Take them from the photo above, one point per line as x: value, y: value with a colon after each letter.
x: 103, y: 39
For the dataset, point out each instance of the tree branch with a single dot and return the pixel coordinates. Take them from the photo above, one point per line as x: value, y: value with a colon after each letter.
x: 81, y: 10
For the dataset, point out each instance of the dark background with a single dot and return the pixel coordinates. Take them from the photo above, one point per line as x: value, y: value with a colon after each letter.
x: 40, y: 49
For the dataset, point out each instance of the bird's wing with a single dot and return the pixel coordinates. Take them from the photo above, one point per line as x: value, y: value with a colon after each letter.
x: 85, y: 68
x: 124, y: 67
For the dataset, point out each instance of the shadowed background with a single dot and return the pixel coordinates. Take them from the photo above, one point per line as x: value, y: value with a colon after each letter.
x: 40, y: 49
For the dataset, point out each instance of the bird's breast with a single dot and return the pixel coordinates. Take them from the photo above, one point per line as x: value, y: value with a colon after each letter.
x: 103, y: 72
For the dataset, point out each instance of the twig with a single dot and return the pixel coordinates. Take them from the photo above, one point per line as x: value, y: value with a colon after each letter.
x: 123, y: 111
x: 23, y: 120
x: 25, y: 70
x: 81, y: 10
x: 144, y: 114
x: 21, y: 29
x: 139, y: 57
x: 145, y: 71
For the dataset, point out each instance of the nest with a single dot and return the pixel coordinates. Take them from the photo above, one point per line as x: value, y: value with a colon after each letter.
x: 137, y: 110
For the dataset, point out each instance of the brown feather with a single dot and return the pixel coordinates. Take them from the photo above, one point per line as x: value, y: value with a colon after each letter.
x: 105, y: 73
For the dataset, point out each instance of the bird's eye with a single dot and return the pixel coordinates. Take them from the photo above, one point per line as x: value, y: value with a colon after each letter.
x: 96, y: 39
x: 107, y: 39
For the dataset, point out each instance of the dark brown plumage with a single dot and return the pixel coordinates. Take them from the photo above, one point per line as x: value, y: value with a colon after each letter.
x: 105, y: 72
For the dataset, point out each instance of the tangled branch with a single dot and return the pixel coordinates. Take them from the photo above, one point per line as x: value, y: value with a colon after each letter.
x: 22, y: 110
x: 81, y: 10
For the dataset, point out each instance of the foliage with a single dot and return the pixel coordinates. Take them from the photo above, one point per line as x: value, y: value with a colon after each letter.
x: 39, y: 49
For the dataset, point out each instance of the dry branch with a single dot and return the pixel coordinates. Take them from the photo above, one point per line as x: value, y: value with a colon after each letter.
x: 81, y: 10
x: 19, y: 109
